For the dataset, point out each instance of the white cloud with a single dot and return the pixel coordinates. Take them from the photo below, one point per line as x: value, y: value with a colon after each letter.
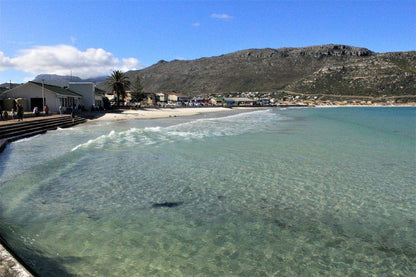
x: 73, y: 39
x: 27, y: 79
x: 196, y: 24
x: 221, y: 16
x: 62, y: 59
x: 5, y: 62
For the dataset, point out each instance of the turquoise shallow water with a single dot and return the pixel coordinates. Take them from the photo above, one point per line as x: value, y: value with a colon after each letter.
x: 296, y: 192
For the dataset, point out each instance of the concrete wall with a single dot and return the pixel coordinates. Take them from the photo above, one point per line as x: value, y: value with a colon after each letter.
x: 9, y: 266
x: 87, y: 90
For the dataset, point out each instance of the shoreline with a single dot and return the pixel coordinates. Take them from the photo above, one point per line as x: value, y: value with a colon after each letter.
x: 156, y: 113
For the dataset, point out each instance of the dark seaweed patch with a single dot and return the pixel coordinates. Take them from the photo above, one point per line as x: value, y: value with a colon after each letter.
x: 166, y: 204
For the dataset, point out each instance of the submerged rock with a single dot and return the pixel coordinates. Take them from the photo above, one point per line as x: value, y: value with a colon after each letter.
x: 166, y: 204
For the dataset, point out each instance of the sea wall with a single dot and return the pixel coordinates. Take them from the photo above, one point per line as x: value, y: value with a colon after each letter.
x: 9, y: 266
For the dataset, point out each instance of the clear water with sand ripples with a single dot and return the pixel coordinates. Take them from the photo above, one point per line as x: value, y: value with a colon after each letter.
x: 296, y: 192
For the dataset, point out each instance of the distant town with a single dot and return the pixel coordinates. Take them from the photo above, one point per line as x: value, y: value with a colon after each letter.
x: 87, y: 96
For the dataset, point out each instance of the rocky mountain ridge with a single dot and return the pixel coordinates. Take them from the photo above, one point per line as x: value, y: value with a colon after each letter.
x: 330, y: 69
x: 325, y: 69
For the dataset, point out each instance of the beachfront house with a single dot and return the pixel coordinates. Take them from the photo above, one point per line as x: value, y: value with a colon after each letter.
x: 216, y: 101
x: 171, y: 97
x: 34, y: 94
x: 240, y: 101
x: 174, y: 97
x: 161, y: 97
x: 198, y: 101
x: 92, y: 97
x: 149, y: 99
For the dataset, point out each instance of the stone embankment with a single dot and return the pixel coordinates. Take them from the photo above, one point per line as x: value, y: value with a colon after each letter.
x: 10, y: 267
x: 10, y: 132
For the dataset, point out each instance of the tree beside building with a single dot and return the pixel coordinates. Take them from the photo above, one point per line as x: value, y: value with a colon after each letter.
x: 136, y: 92
x: 119, y: 83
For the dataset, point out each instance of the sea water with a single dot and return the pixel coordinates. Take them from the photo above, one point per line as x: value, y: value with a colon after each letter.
x: 274, y: 192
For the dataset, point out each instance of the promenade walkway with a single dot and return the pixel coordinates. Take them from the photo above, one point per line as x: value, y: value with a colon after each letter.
x: 12, y: 130
x: 28, y: 118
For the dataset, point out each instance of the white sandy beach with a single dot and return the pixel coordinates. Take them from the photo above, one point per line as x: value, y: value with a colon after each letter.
x: 152, y: 113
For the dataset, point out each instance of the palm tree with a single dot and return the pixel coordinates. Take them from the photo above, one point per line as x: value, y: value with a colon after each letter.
x: 119, y: 83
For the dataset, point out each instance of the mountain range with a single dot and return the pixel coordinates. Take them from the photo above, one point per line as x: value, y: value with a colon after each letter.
x: 325, y: 69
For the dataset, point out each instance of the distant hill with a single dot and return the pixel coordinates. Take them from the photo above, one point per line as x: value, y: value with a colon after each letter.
x: 62, y: 81
x: 6, y: 86
x: 328, y: 69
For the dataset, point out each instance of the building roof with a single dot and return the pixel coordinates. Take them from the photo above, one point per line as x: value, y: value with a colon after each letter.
x: 58, y: 90
x: 239, y: 99
x: 99, y: 91
x: 180, y: 95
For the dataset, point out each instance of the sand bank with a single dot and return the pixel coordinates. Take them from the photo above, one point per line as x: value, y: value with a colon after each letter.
x: 153, y: 113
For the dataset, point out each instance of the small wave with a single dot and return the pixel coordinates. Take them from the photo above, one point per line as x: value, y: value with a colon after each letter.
x: 26, y: 139
x: 97, y: 142
x: 64, y: 129
x: 194, y: 130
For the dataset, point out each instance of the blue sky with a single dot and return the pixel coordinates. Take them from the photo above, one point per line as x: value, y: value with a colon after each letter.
x: 93, y: 38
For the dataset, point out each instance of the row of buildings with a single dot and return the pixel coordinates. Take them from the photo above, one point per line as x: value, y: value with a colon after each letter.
x: 87, y: 96
x: 172, y: 98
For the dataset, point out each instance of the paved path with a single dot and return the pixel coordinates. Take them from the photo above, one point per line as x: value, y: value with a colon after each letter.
x: 31, y: 118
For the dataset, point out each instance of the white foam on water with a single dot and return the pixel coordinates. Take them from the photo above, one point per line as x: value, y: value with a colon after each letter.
x: 26, y: 139
x: 97, y: 142
x: 194, y: 130
x: 65, y: 129
x: 224, y: 126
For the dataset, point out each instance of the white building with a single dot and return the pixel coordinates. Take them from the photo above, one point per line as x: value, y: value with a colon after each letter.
x: 161, y: 97
x: 91, y: 96
x: 37, y: 94
x: 174, y: 97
